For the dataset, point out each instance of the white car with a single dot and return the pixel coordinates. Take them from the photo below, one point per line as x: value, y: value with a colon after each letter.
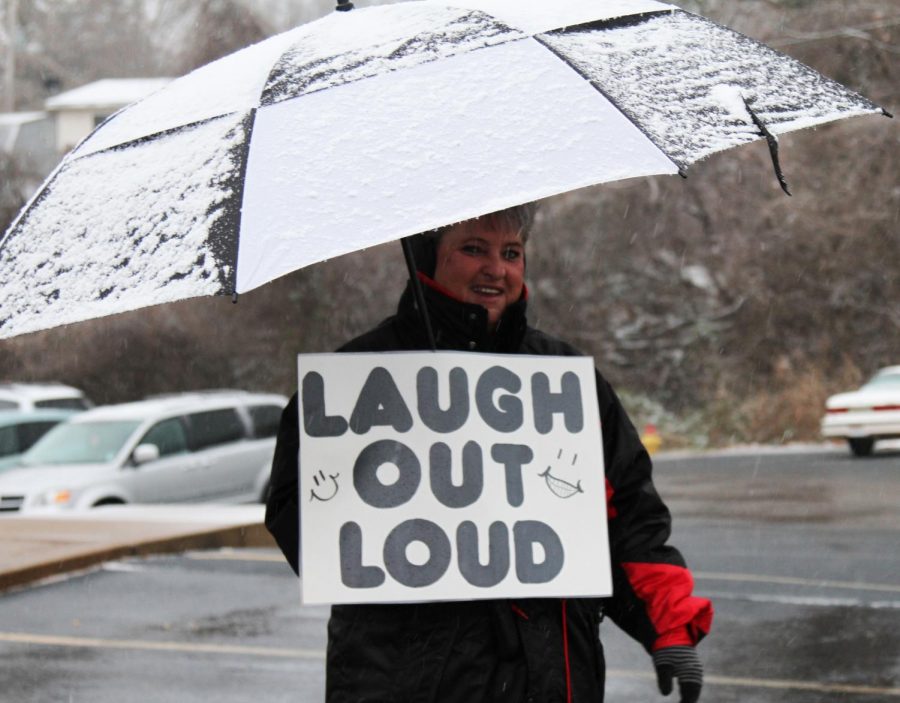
x: 866, y: 415
x: 32, y: 396
x: 186, y: 448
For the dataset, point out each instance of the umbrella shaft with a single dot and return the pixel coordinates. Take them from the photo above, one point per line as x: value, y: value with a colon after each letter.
x: 417, y: 289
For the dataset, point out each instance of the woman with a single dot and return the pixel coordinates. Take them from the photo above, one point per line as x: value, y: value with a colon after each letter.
x: 540, y: 650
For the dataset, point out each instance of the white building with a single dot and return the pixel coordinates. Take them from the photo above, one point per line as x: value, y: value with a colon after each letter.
x: 76, y: 112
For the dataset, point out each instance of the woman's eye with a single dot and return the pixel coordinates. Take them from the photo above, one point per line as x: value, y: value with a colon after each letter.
x: 512, y: 254
x: 472, y: 249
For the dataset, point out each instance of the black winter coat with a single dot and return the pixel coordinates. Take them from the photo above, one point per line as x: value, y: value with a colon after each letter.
x: 538, y: 650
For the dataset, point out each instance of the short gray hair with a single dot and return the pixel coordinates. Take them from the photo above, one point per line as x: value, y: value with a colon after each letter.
x: 519, y: 218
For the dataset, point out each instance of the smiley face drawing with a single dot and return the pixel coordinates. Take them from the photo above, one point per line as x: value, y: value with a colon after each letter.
x: 559, y: 487
x: 328, y: 491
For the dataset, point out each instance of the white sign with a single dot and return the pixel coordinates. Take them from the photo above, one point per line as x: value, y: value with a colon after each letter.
x: 430, y: 476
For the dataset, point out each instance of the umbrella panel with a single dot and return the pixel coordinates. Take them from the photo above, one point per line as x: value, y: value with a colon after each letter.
x: 342, y: 47
x: 684, y: 80
x: 412, y: 157
x: 153, y: 227
x: 231, y: 85
x: 537, y: 17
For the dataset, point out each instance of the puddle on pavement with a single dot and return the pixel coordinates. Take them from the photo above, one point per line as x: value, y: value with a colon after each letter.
x: 824, y: 645
x: 254, y: 622
x: 799, y: 501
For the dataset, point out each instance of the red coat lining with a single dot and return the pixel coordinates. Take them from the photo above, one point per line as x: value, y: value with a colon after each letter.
x: 678, y: 616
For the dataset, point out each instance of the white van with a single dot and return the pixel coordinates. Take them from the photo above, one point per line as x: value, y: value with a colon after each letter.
x: 32, y: 396
x: 186, y: 448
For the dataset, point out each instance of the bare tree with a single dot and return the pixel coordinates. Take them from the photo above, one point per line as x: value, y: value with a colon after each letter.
x: 9, y: 22
x: 12, y: 179
x: 721, y: 293
x: 716, y: 297
x: 218, y: 27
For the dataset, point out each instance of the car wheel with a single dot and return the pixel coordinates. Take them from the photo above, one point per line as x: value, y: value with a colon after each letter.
x: 861, y: 446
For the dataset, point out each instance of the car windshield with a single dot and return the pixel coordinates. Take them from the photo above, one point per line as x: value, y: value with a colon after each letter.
x: 884, y: 381
x: 80, y: 443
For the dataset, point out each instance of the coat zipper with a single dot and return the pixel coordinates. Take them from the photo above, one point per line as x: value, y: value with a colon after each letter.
x: 565, y: 633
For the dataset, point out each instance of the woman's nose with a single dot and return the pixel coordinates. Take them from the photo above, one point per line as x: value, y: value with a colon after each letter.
x: 494, y: 266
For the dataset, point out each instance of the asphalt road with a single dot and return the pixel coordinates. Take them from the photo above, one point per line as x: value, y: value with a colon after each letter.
x: 799, y: 552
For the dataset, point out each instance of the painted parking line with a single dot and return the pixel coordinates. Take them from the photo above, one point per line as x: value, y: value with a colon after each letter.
x: 239, y: 555
x: 795, y: 581
x: 317, y: 654
x: 804, y: 600
x: 781, y: 684
x: 148, y: 645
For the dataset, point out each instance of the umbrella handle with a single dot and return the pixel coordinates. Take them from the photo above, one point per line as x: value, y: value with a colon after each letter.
x: 417, y: 289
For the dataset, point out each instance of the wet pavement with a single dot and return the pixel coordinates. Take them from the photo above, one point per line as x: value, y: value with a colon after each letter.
x: 821, y: 485
x: 797, y: 550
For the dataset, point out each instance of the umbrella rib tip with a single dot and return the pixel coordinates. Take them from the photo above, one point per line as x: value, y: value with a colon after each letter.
x: 772, y: 142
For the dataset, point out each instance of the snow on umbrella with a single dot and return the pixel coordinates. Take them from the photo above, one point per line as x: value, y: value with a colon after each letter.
x: 371, y: 125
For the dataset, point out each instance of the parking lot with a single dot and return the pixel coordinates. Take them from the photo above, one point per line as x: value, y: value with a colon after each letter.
x: 805, y: 579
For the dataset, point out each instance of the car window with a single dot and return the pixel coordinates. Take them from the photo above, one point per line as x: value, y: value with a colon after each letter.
x: 8, y: 405
x: 9, y: 440
x: 168, y: 436
x: 80, y: 443
x: 63, y: 403
x: 31, y: 432
x: 266, y: 419
x: 887, y: 380
x: 215, y: 427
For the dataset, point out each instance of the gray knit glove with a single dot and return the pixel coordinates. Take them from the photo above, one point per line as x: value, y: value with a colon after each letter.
x: 683, y: 664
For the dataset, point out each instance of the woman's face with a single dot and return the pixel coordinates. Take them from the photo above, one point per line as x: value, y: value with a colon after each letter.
x: 479, y: 264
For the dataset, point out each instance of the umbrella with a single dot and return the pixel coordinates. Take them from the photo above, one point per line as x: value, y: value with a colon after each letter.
x: 371, y: 125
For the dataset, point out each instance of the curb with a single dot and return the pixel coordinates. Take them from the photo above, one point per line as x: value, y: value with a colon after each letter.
x: 237, y: 536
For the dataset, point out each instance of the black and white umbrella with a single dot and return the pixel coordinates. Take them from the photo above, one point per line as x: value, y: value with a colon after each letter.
x: 371, y: 125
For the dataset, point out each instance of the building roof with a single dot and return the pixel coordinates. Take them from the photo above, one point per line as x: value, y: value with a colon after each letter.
x: 107, y: 94
x: 17, y: 118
